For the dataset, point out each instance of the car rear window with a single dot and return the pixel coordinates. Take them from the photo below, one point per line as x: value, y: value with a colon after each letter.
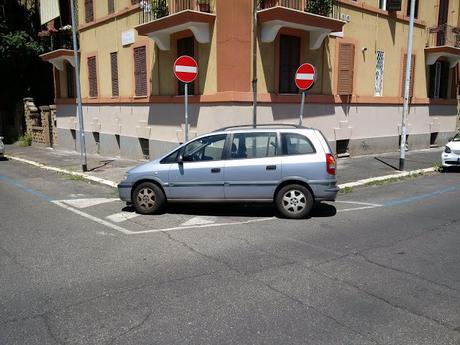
x: 296, y: 144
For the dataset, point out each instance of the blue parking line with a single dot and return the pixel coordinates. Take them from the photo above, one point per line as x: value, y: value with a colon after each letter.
x: 397, y: 202
x: 15, y: 183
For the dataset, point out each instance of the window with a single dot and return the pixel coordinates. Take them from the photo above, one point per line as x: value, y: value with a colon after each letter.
x: 70, y: 74
x: 289, y: 62
x: 92, y: 76
x: 296, y: 144
x: 114, y: 73
x: 416, y: 8
x: 253, y: 145
x: 140, y: 71
x: 205, y: 149
x: 89, y: 11
x: 186, y: 46
x: 111, y: 6
x: 439, y: 74
x: 412, y: 74
x: 379, y: 68
x: 346, y: 68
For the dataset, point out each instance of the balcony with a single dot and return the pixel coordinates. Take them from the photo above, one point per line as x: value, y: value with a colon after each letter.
x: 159, y: 19
x: 156, y: 9
x: 318, y: 17
x: 327, y: 8
x: 443, y: 41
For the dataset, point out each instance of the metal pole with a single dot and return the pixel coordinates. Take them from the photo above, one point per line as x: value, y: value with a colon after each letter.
x: 301, y: 108
x: 84, y: 165
x: 254, y: 64
x: 186, y: 114
x: 402, y: 148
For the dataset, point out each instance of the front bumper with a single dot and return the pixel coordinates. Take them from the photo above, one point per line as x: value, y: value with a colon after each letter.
x: 125, y: 191
x: 450, y: 160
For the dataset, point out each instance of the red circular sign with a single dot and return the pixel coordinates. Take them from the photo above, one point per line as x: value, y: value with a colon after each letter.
x: 185, y: 69
x: 305, y: 76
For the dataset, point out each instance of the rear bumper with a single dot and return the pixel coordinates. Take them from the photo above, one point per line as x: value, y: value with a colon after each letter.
x: 325, y: 190
x: 124, y: 191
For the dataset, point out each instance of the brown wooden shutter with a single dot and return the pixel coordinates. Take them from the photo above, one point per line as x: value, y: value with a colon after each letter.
x: 89, y: 11
x: 140, y: 71
x: 92, y: 76
x: 70, y: 74
x: 346, y: 68
x: 111, y: 6
x: 412, y: 74
x: 114, y: 72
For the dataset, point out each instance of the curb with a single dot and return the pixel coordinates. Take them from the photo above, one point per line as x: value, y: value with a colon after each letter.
x: 64, y: 171
x: 114, y: 185
x: 385, y: 177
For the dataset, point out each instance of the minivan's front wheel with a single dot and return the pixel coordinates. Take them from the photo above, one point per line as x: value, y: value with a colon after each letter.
x: 294, y: 201
x: 148, y: 198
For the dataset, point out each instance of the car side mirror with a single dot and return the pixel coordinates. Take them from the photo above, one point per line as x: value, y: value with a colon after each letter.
x: 180, y: 159
x: 450, y: 139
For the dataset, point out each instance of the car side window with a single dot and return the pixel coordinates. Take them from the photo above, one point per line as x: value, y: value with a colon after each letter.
x: 296, y: 144
x: 253, y: 145
x: 170, y: 159
x: 209, y: 148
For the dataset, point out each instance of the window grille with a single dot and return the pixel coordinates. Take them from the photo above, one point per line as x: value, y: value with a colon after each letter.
x: 379, y: 69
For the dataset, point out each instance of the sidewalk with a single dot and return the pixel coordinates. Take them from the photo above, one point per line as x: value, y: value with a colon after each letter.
x: 112, y: 169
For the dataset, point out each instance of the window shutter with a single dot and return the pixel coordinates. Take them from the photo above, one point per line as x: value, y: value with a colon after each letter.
x: 114, y: 73
x: 111, y: 6
x: 92, y: 76
x: 412, y: 74
x: 346, y: 65
x: 70, y: 72
x: 89, y: 11
x: 140, y: 71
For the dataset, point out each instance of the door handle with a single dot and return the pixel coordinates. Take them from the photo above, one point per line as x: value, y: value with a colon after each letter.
x: 271, y: 167
x: 215, y: 170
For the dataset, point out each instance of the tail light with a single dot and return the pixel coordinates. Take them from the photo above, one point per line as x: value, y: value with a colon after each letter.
x: 330, y: 164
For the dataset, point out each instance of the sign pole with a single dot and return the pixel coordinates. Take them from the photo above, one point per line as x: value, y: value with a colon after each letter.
x: 186, y: 113
x: 301, y: 108
x: 84, y: 164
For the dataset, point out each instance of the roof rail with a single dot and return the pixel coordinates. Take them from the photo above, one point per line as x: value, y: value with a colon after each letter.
x: 260, y: 125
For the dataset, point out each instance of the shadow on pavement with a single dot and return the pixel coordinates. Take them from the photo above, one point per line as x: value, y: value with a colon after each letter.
x: 3, y: 159
x: 237, y: 210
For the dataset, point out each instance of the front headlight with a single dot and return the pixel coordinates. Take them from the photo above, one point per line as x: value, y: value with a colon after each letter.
x: 447, y: 149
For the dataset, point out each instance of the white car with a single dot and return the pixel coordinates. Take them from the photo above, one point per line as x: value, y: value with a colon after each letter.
x: 2, y: 148
x: 451, y: 154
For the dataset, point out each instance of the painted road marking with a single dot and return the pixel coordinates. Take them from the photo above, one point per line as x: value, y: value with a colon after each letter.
x: 199, y: 221
x: 364, y: 206
x: 122, y: 216
x: 85, y: 203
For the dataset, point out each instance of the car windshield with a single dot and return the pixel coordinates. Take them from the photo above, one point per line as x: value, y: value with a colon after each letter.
x: 457, y: 137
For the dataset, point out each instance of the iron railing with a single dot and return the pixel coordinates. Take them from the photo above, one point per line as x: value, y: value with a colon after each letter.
x: 327, y: 8
x: 443, y: 35
x: 155, y: 9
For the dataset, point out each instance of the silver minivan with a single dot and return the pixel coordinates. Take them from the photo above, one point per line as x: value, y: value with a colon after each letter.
x: 289, y: 165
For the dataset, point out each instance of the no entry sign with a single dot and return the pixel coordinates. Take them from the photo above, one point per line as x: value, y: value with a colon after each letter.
x: 305, y: 76
x: 186, y: 69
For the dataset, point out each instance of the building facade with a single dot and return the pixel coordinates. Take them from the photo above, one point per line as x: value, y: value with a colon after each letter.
x: 134, y: 106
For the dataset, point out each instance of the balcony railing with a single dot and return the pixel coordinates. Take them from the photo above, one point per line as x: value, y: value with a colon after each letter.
x: 444, y: 35
x: 155, y: 9
x: 327, y: 8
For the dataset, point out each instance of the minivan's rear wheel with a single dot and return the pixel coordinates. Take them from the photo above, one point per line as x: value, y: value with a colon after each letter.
x: 294, y: 201
x: 148, y: 198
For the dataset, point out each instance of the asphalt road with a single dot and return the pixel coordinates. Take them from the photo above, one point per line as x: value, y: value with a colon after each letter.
x: 380, y: 266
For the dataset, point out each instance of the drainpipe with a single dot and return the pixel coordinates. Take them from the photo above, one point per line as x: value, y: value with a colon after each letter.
x: 254, y: 63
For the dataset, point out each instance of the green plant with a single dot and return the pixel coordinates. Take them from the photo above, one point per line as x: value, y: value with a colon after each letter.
x: 437, y: 167
x: 160, y: 8
x: 25, y: 140
x: 321, y: 7
x: 346, y: 190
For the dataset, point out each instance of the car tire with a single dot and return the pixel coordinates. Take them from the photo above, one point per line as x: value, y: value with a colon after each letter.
x: 148, y: 198
x: 294, y: 201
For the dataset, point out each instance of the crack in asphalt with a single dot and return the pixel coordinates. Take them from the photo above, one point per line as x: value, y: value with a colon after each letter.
x: 131, y: 329
x: 386, y: 301
x: 50, y: 332
x: 308, y: 306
